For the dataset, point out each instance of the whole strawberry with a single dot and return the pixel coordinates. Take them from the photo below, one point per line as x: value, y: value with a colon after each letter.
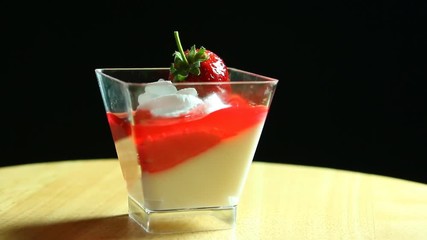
x: 199, y: 65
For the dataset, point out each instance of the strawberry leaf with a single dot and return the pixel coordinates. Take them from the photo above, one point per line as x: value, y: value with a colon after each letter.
x: 188, y: 62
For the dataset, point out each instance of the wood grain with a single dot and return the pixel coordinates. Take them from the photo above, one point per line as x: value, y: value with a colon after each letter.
x: 87, y: 199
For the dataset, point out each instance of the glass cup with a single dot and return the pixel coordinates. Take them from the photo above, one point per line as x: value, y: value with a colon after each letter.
x: 184, y: 149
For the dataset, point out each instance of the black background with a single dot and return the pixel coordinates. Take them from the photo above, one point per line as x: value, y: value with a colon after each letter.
x: 351, y: 93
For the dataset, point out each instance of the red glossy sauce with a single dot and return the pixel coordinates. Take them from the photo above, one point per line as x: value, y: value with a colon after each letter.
x: 163, y: 143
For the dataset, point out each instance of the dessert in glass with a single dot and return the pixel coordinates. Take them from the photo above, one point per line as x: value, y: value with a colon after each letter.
x: 185, y: 148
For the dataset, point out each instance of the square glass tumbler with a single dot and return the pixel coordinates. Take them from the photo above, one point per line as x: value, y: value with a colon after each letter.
x: 184, y: 149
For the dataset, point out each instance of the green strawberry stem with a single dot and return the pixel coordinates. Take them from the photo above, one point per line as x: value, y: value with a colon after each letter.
x: 178, y: 43
x: 186, y: 63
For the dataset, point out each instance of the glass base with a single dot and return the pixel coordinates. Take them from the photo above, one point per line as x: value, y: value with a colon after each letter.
x: 182, y: 220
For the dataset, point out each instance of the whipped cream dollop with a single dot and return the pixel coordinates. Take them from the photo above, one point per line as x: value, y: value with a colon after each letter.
x: 163, y: 99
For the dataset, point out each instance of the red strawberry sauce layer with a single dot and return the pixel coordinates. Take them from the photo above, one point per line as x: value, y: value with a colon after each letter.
x: 163, y: 143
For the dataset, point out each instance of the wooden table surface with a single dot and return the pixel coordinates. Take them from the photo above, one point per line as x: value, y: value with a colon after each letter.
x: 87, y: 199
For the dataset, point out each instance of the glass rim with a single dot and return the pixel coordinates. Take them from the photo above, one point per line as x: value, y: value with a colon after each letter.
x: 264, y: 79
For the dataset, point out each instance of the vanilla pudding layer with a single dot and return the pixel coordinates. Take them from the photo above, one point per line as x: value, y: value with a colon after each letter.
x: 213, y: 178
x: 131, y: 170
